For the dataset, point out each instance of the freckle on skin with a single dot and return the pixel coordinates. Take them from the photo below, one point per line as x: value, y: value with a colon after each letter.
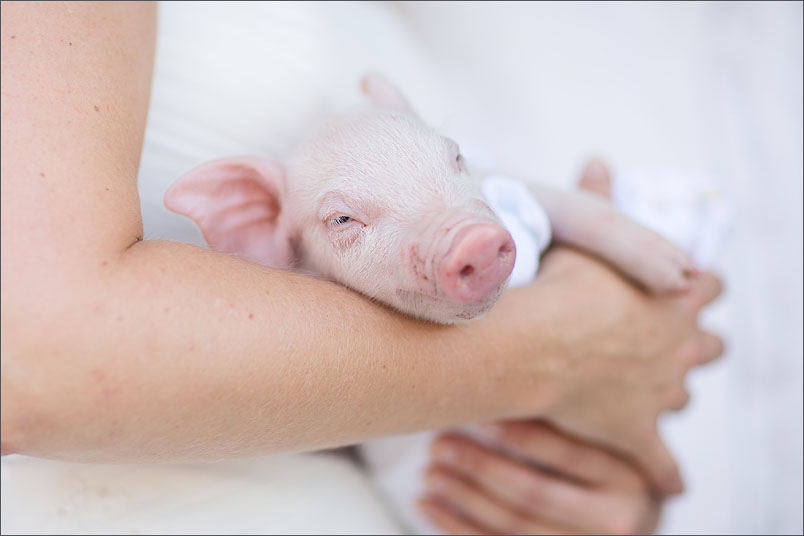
x: 104, y: 263
x: 71, y: 43
x: 13, y: 37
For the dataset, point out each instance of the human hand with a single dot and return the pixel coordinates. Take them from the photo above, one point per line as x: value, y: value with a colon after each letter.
x: 533, y: 479
x: 622, y: 355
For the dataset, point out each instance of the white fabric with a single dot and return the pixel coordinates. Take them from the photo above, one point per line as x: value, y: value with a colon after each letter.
x: 690, y: 208
x: 524, y: 218
x: 292, y: 494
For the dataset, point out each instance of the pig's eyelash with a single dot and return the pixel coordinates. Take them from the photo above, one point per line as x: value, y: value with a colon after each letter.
x: 340, y: 220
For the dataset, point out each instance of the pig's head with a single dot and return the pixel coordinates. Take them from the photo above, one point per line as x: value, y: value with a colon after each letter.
x: 373, y: 199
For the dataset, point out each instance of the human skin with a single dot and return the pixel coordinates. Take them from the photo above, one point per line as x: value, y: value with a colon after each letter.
x: 554, y: 485
x: 527, y: 477
x: 119, y: 349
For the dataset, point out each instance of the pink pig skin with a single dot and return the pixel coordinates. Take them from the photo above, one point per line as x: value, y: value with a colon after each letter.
x: 373, y: 199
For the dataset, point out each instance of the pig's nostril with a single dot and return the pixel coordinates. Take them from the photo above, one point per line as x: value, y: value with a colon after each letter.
x: 504, y: 251
x: 480, y: 260
x: 467, y: 271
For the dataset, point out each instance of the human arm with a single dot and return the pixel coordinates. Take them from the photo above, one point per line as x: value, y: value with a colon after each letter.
x: 165, y: 351
x: 117, y: 349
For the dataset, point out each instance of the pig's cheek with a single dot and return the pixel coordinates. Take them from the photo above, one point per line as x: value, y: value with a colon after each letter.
x: 346, y: 238
x: 416, y: 264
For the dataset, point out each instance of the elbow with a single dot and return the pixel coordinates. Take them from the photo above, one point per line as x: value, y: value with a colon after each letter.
x: 33, y: 385
x: 11, y: 416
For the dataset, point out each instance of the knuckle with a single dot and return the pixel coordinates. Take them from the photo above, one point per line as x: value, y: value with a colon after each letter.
x: 680, y: 399
x: 715, y: 346
x: 691, y: 353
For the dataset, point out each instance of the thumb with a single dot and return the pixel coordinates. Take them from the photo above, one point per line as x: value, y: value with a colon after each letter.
x: 596, y: 179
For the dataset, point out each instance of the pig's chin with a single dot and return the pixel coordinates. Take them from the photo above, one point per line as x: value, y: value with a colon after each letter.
x: 443, y: 310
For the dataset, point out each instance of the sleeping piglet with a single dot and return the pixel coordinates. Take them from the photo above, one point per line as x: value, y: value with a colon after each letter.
x: 376, y: 200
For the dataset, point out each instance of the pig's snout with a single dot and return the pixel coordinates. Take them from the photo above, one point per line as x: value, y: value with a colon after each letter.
x: 479, y: 260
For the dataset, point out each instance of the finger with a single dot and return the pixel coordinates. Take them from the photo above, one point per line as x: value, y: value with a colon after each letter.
x: 711, y: 347
x: 523, y: 488
x: 659, y: 466
x: 538, y: 442
x: 478, y: 507
x: 704, y: 288
x: 446, y: 520
x: 596, y: 179
x: 679, y: 399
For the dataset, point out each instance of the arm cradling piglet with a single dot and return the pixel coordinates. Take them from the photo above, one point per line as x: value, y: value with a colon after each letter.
x: 376, y: 200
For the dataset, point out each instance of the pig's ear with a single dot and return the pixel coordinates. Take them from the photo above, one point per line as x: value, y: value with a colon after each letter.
x: 237, y: 203
x: 380, y: 91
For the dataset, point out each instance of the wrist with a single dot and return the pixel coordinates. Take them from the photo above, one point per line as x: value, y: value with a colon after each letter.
x: 517, y: 363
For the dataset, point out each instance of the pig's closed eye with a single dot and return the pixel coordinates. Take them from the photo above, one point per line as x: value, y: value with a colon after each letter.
x: 340, y: 220
x: 344, y: 230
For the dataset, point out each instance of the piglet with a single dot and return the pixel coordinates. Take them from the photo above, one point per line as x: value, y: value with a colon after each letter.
x: 376, y: 200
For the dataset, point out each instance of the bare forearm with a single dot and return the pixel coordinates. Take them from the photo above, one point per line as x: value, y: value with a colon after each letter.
x: 159, y: 350
x: 175, y: 352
